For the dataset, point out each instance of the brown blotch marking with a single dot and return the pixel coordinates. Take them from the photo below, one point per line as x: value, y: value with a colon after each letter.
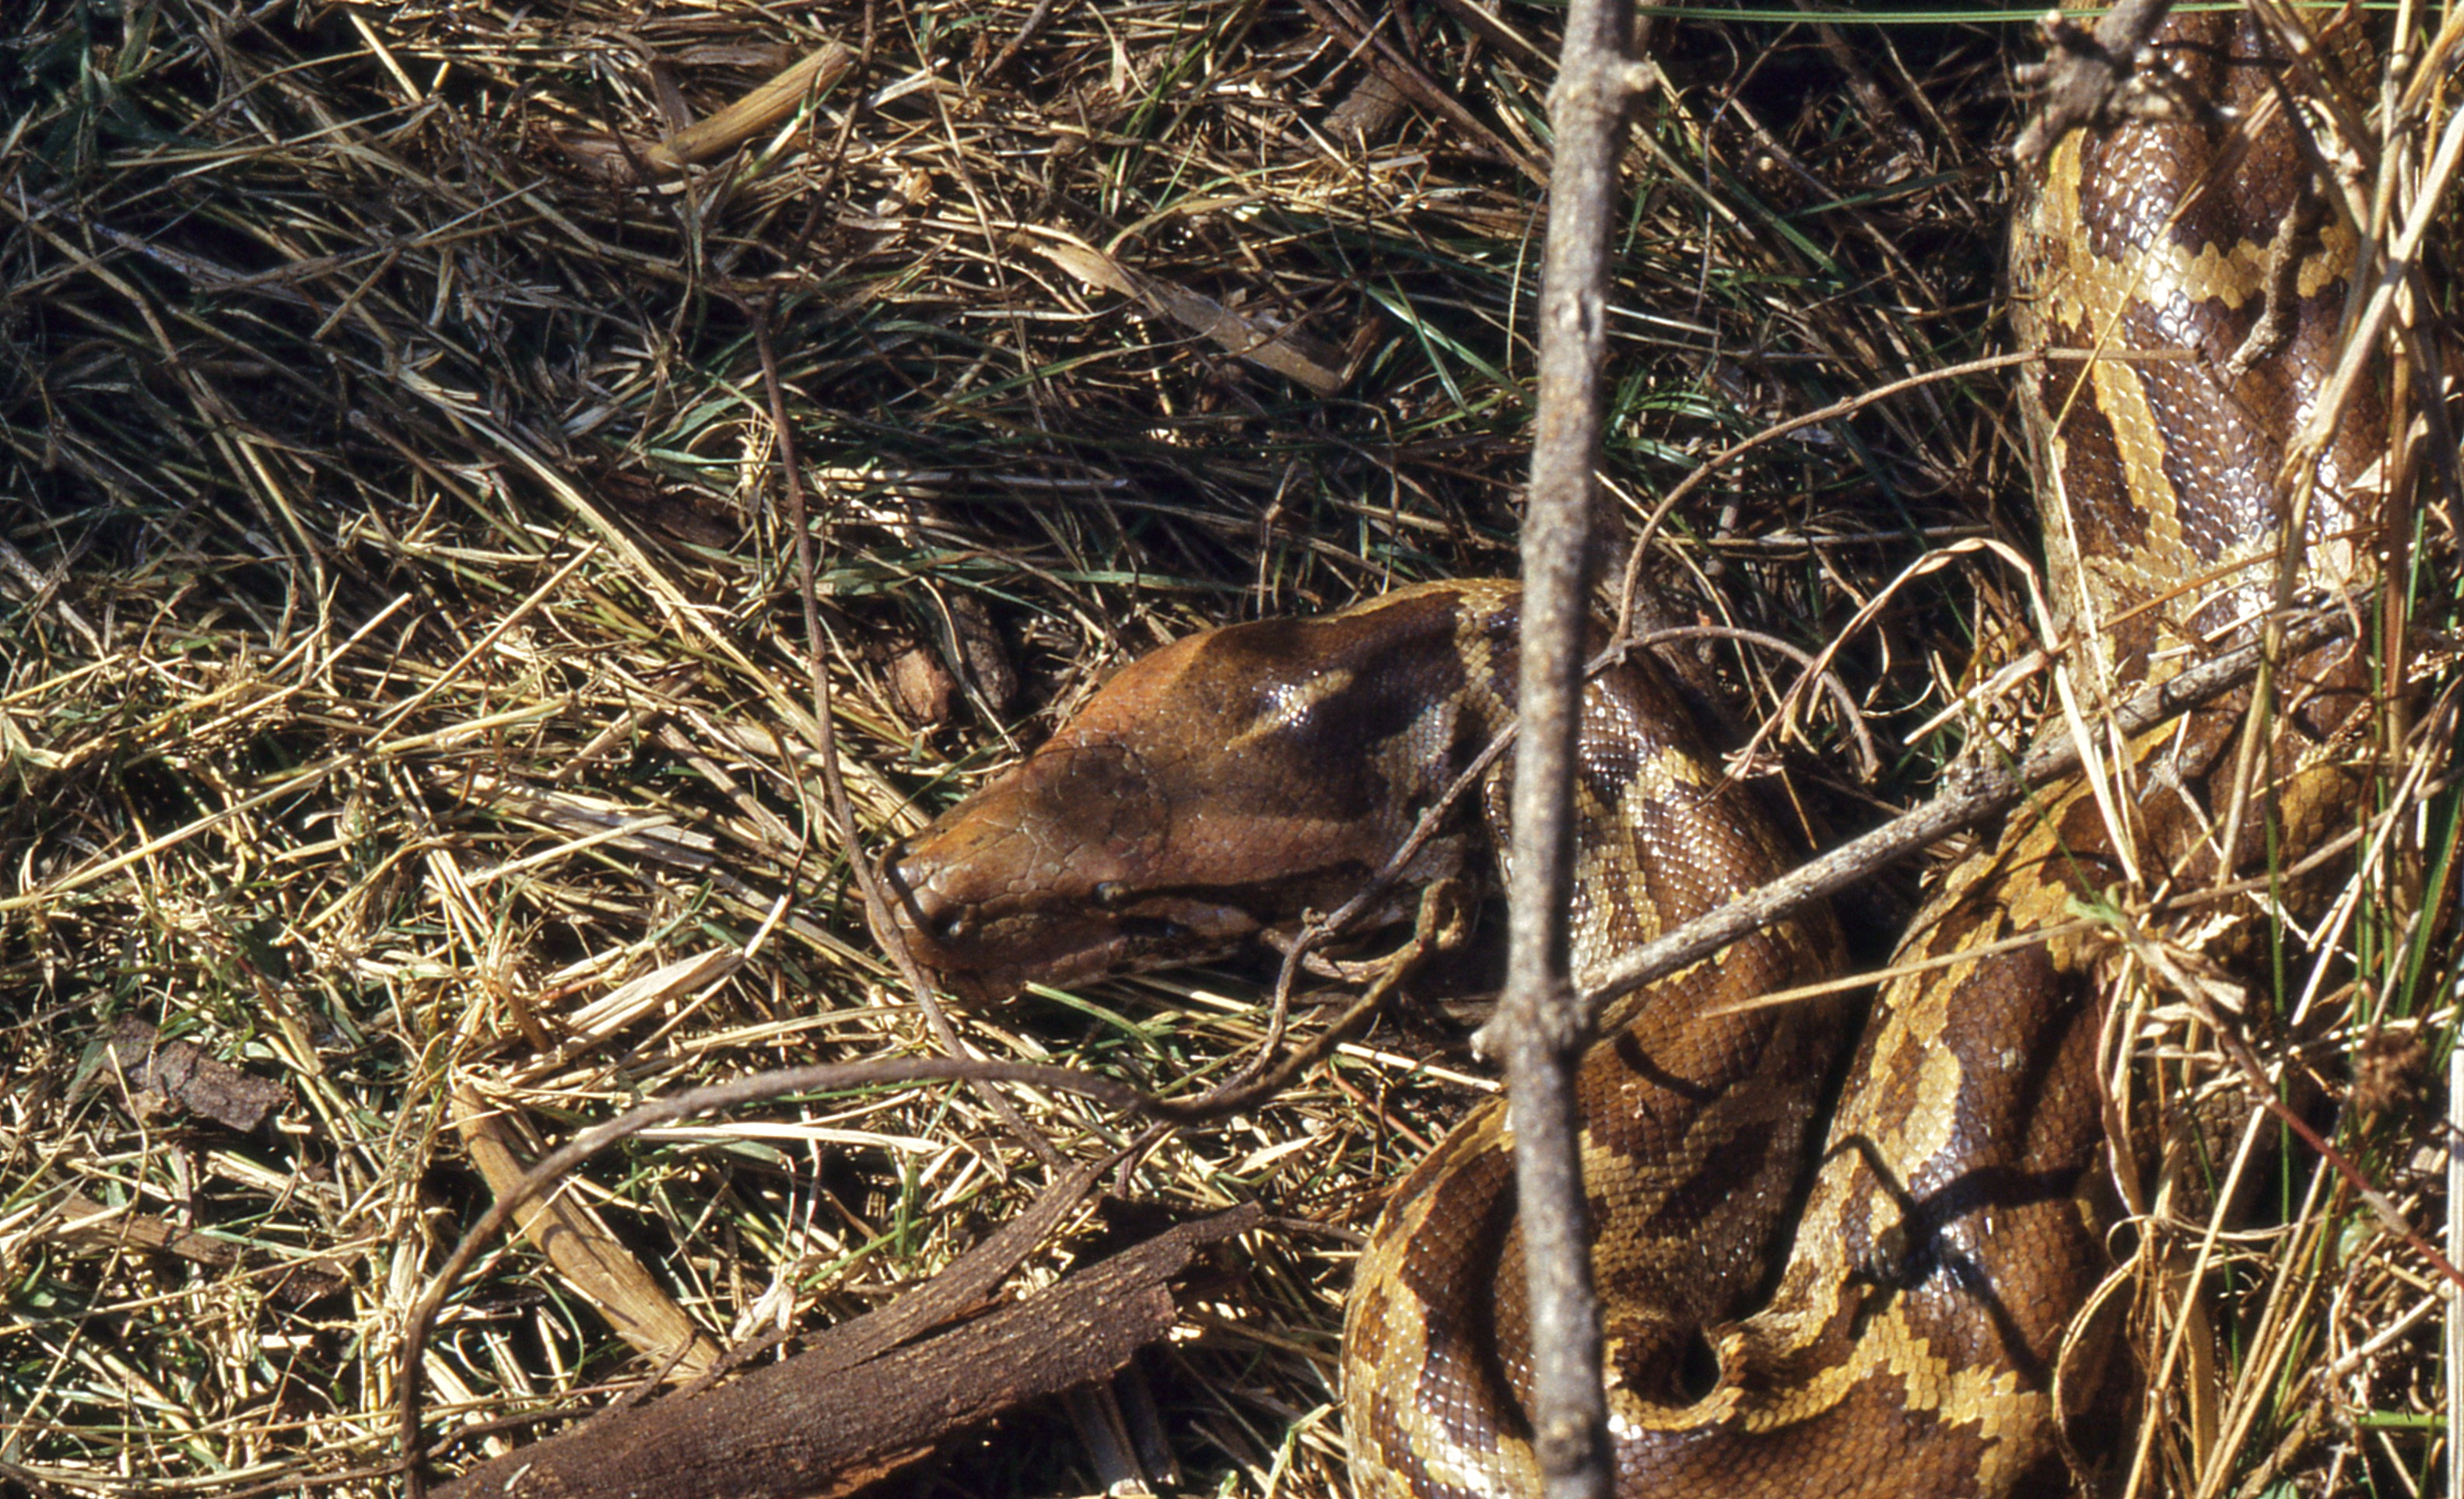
x: 2105, y: 523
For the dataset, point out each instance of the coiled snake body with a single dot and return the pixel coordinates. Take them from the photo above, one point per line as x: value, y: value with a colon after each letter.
x: 1908, y: 1338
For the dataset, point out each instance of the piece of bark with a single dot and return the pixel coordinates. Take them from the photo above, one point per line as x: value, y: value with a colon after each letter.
x: 816, y: 1426
x: 1364, y: 114
x: 1347, y: 24
x: 925, y: 677
x: 976, y: 649
x: 180, y: 1073
x: 958, y: 1289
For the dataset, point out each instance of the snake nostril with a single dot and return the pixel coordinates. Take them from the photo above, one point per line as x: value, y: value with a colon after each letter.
x: 926, y: 910
x: 921, y: 907
x: 909, y: 879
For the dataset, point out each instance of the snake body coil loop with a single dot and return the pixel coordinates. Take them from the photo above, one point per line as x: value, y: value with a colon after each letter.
x: 1906, y: 1336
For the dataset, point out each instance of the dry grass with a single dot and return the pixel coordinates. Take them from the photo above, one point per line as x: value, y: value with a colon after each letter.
x: 407, y: 687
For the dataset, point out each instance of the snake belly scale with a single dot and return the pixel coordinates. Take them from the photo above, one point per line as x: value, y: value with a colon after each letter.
x: 1905, y: 1334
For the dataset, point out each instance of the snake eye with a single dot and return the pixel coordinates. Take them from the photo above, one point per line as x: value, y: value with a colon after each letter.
x: 954, y: 926
x: 1110, y: 894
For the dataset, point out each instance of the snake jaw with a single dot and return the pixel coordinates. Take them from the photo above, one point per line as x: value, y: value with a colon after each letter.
x: 991, y: 957
x: 986, y: 936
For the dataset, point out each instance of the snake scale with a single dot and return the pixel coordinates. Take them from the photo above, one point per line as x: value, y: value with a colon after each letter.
x: 1905, y: 1334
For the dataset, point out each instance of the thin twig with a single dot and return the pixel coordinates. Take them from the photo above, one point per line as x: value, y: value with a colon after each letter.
x: 1541, y: 1018
x: 1629, y: 588
x: 2096, y: 77
x: 1993, y: 789
x: 876, y: 904
x: 1026, y: 32
x: 2255, y: 1077
x: 1869, y: 762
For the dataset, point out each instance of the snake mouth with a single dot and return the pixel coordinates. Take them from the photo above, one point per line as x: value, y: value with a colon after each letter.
x: 1073, y: 947
x: 987, y: 950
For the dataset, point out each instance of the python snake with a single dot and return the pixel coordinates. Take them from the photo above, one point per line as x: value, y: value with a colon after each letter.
x: 1908, y: 1336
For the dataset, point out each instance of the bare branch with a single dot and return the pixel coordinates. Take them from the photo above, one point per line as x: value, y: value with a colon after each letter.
x: 1992, y: 790
x: 2100, y: 76
x: 1542, y: 1019
x: 1869, y: 762
x: 841, y: 816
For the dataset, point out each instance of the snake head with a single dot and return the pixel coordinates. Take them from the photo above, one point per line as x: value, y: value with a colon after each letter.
x: 1219, y: 786
x: 1064, y: 870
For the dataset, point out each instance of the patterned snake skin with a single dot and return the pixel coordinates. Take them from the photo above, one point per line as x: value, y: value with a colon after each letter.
x: 1904, y: 1336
